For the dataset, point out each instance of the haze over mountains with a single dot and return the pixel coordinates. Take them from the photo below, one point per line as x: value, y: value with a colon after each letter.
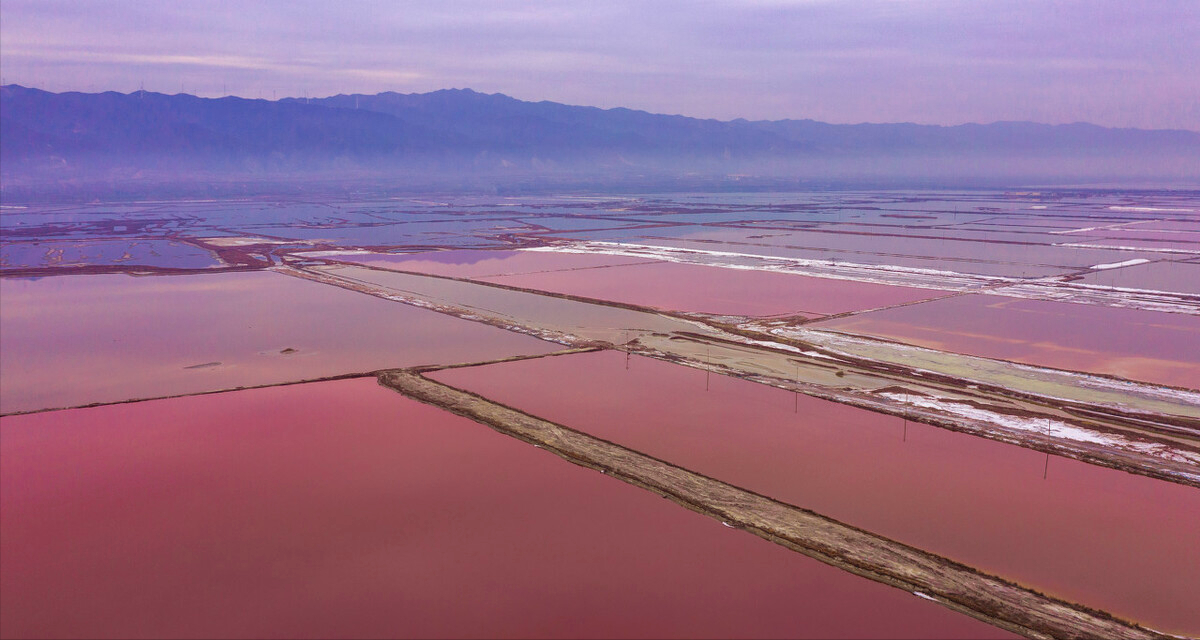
x: 48, y: 137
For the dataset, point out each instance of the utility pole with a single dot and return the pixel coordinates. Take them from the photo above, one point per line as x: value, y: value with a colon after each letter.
x: 1046, y: 468
x: 707, y: 366
x: 796, y: 392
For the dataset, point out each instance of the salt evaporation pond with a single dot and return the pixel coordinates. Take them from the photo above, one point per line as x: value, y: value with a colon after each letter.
x: 342, y: 509
x: 472, y: 263
x: 1129, y: 343
x: 1108, y: 539
x: 73, y: 340
x: 718, y: 290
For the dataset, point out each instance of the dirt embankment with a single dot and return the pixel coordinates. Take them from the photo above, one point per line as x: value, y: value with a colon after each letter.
x: 959, y: 587
x: 798, y: 366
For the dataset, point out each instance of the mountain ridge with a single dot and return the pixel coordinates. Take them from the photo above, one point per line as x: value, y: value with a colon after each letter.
x: 55, y: 136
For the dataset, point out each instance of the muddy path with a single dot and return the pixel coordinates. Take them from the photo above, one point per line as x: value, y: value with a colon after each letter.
x: 1159, y: 444
x: 961, y: 588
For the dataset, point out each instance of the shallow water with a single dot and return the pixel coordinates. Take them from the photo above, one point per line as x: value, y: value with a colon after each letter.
x: 718, y: 290
x: 1129, y: 343
x: 472, y: 263
x: 72, y: 340
x: 147, y: 252
x: 343, y: 509
x: 586, y: 320
x: 1105, y: 538
x: 1167, y: 275
x: 982, y: 263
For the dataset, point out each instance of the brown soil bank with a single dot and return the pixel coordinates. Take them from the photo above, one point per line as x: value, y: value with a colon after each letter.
x: 956, y: 586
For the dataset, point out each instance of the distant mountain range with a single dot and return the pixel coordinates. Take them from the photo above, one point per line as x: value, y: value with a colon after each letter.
x: 70, y: 136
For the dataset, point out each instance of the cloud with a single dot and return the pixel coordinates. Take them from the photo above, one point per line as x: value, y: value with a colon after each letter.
x: 1114, y: 63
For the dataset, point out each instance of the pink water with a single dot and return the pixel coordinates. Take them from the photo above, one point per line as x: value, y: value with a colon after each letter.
x: 471, y: 263
x: 1108, y: 539
x: 1150, y: 346
x: 342, y: 509
x: 718, y: 290
x: 72, y: 340
x: 1164, y: 275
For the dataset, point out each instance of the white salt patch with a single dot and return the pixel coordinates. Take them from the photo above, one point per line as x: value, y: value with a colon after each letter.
x: 830, y: 269
x: 842, y: 343
x: 1118, y: 208
x: 1114, y: 265
x: 1082, y: 245
x: 1052, y: 428
x: 241, y: 241
x: 334, y: 254
x: 892, y: 275
x: 779, y: 346
x: 1117, y: 225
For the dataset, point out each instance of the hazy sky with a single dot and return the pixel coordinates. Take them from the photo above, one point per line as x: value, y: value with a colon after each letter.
x: 1111, y: 62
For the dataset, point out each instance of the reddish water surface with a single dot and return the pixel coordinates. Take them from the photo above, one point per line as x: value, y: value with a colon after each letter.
x: 471, y: 263
x: 1165, y: 275
x: 1141, y: 345
x: 342, y: 509
x: 688, y: 287
x: 1112, y: 540
x: 72, y: 340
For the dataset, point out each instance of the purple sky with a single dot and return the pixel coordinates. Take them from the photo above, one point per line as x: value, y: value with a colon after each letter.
x: 1115, y: 63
